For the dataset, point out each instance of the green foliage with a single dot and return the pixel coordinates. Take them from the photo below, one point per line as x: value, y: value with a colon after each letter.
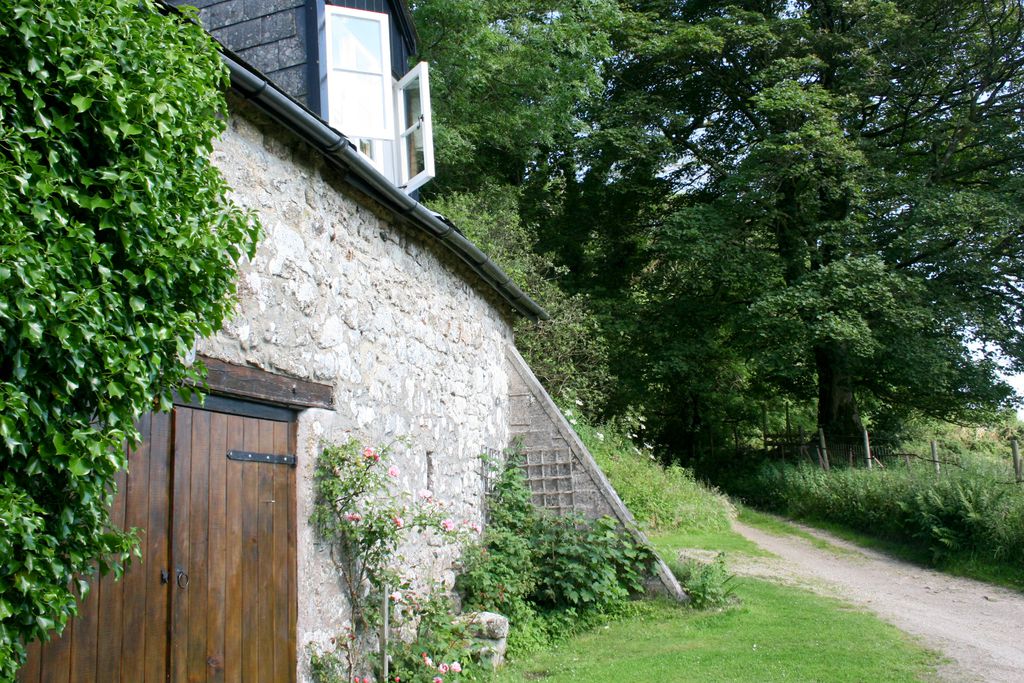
x: 660, y: 498
x: 510, y: 80
x: 550, y: 575
x: 443, y: 646
x: 365, y: 519
x: 968, y: 513
x: 117, y: 249
x: 709, y: 584
x: 357, y: 509
x: 807, y: 201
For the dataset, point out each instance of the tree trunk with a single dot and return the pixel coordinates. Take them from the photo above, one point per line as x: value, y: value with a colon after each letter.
x: 837, y: 405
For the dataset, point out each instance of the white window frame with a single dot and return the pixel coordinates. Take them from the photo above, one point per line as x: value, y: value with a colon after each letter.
x: 386, y: 130
x: 418, y: 78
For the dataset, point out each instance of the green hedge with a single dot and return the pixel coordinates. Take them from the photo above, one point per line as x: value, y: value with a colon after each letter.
x: 117, y: 248
x: 972, y: 513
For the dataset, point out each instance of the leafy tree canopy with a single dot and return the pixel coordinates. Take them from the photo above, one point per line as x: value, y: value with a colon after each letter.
x: 511, y: 80
x: 117, y: 248
x: 817, y: 198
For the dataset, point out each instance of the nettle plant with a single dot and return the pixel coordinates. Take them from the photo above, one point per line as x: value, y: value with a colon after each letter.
x: 364, y: 517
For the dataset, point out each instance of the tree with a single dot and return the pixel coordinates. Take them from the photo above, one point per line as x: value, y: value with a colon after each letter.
x: 856, y: 165
x: 117, y: 248
x: 511, y: 80
x: 512, y: 83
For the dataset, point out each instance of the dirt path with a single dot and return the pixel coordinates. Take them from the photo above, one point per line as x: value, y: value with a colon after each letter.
x: 980, y: 628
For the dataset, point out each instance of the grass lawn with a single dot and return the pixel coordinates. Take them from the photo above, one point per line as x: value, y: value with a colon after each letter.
x: 775, y: 633
x: 669, y: 543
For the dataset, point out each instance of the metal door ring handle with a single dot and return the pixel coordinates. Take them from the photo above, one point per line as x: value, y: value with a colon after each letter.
x: 182, y: 579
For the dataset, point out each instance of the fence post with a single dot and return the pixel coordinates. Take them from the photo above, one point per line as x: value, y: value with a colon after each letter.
x: 1017, y: 467
x: 867, y: 448
x: 935, y: 457
x: 824, y: 450
x: 906, y: 456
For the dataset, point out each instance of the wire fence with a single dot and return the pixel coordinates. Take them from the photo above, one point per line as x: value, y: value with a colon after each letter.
x: 862, y: 450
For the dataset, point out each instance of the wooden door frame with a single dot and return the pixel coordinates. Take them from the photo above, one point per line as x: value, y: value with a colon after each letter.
x: 251, y: 392
x: 253, y: 384
x: 235, y: 390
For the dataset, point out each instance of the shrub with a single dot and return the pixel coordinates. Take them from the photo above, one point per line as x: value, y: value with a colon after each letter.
x: 365, y: 518
x: 709, y: 584
x: 118, y: 247
x: 547, y: 574
x: 443, y: 647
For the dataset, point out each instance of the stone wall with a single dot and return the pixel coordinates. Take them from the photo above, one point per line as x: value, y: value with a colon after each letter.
x: 412, y: 344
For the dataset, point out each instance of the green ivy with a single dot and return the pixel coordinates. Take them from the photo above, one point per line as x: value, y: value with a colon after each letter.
x: 118, y: 247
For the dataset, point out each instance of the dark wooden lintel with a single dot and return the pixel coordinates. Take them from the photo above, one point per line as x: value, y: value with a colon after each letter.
x: 243, y: 381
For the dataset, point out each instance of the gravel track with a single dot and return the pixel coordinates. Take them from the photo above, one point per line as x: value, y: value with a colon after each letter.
x: 977, y: 626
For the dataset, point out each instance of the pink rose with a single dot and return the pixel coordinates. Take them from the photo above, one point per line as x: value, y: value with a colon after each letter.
x: 353, y: 517
x: 399, y: 522
x: 442, y: 667
x: 426, y: 494
x: 456, y: 667
x: 392, y: 471
x: 447, y: 524
x: 371, y: 454
x: 438, y: 679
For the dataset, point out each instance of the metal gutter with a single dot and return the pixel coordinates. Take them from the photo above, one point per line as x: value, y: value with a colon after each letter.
x: 361, y: 174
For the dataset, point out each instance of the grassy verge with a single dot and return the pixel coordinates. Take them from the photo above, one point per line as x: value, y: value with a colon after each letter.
x: 775, y: 633
x: 668, y: 543
x: 769, y: 633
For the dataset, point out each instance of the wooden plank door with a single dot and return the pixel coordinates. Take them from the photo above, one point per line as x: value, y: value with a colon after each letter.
x: 213, y: 597
x: 233, y: 549
x: 121, y: 631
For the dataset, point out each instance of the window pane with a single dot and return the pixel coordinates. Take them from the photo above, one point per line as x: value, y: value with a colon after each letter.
x: 413, y: 106
x: 357, y: 44
x: 414, y: 151
x: 358, y: 104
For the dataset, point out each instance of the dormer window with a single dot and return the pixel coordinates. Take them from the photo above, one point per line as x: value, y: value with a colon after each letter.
x: 388, y: 120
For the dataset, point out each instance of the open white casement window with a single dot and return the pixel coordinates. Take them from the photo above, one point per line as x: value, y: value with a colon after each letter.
x: 415, y: 130
x: 359, y: 91
x: 388, y: 122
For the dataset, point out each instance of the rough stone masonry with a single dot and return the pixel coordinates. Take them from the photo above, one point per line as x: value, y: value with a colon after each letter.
x: 414, y: 345
x: 338, y: 295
